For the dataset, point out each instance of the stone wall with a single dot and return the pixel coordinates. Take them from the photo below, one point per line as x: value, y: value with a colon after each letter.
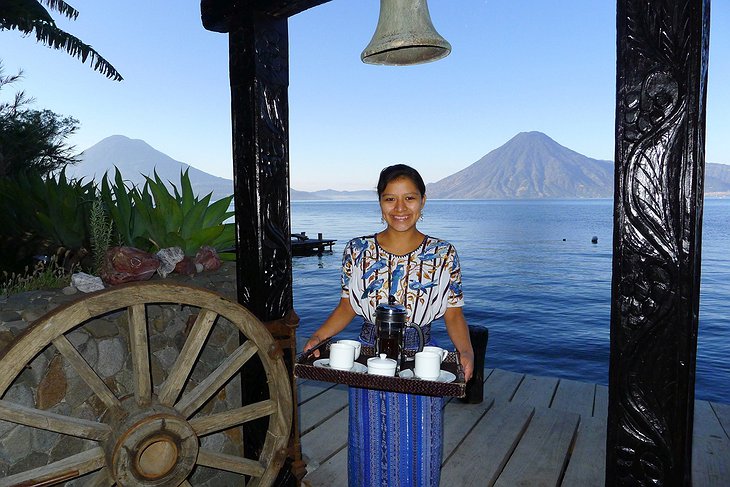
x: 50, y: 383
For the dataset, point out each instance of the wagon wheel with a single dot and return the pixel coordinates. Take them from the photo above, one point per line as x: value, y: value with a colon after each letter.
x: 149, y: 439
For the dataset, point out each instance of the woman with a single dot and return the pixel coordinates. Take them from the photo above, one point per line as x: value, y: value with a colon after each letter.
x: 395, y: 439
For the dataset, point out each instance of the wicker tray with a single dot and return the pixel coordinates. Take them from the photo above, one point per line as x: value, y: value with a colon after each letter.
x: 305, y: 369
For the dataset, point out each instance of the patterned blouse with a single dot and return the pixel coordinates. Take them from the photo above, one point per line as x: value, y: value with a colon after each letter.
x: 426, y: 281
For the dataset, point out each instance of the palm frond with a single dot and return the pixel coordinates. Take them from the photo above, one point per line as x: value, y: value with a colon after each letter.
x: 63, y: 8
x: 56, y: 38
x: 15, y: 14
x: 29, y: 16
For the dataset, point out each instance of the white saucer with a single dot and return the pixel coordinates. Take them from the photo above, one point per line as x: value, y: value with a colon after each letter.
x: 444, y: 376
x: 325, y: 362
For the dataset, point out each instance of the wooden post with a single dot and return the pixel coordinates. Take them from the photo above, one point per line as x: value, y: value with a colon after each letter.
x: 259, y: 106
x: 660, y: 131
x: 259, y: 75
x: 479, y: 336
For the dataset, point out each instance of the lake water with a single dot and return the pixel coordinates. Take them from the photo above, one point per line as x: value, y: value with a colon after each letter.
x: 532, y: 276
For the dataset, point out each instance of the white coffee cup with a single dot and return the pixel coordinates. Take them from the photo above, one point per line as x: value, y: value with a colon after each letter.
x: 437, y: 350
x: 428, y: 365
x: 353, y: 343
x: 342, y: 356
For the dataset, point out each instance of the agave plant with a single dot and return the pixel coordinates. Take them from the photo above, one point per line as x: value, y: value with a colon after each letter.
x: 154, y: 218
x: 119, y: 202
x: 53, y: 208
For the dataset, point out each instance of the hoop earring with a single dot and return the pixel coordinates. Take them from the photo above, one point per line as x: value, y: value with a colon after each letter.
x: 420, y: 218
x: 382, y: 220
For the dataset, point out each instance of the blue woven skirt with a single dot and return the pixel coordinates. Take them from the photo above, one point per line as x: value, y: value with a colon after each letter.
x: 394, y: 440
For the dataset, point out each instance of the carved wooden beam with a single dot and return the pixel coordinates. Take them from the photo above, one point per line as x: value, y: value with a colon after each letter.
x: 220, y: 15
x: 660, y: 132
x: 288, y: 8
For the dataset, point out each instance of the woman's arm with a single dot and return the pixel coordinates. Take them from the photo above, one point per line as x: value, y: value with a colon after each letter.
x: 459, y: 334
x: 340, y: 317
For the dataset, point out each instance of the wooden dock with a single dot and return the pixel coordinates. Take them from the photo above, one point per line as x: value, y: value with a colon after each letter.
x: 529, y: 431
x: 303, y: 245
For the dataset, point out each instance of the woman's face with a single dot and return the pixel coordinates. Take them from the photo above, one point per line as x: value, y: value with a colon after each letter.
x: 401, y: 204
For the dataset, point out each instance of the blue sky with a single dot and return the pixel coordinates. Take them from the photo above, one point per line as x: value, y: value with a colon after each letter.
x: 516, y: 65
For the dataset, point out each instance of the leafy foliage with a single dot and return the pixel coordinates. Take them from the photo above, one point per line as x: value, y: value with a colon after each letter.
x: 30, y: 16
x: 39, y: 215
x: 54, y: 208
x: 153, y: 218
x: 32, y: 140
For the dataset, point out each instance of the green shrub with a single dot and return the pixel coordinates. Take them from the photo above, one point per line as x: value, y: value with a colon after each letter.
x: 40, y: 215
x: 154, y: 218
x: 45, y: 213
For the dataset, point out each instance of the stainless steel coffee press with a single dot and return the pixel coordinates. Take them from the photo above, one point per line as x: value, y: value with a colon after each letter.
x: 390, y: 323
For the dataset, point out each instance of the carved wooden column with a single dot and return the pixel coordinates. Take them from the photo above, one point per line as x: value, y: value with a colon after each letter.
x: 259, y: 75
x: 660, y: 132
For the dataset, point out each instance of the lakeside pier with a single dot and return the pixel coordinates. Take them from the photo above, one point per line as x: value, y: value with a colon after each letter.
x: 303, y: 245
x: 529, y: 431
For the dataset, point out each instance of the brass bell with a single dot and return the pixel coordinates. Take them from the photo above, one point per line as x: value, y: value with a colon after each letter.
x: 405, y: 35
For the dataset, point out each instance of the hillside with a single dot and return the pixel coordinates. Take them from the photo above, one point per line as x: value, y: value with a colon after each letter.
x: 136, y: 158
x: 530, y: 165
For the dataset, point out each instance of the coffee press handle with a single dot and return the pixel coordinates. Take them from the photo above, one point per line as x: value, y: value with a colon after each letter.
x: 421, y: 339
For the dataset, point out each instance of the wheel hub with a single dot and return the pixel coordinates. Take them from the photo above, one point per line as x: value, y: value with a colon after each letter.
x: 154, y: 446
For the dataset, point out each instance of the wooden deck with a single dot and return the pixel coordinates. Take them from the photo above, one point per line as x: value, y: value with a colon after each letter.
x: 529, y: 431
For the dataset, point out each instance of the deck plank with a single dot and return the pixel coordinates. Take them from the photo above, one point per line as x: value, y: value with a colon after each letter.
x: 322, y: 407
x: 542, y: 453
x: 459, y: 419
x: 587, y: 463
x: 332, y: 473
x: 536, y: 391
x: 322, y: 442
x: 722, y: 411
x: 307, y: 389
x: 575, y: 397
x: 710, y: 448
x: 600, y: 405
x: 484, y: 452
x: 502, y: 384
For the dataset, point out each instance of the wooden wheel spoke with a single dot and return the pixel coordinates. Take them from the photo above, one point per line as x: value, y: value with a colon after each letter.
x: 100, y: 479
x: 227, y: 419
x: 62, y: 470
x: 59, y: 423
x: 230, y: 463
x: 210, y: 385
x: 87, y: 374
x: 185, y: 483
x: 140, y: 353
x: 188, y: 355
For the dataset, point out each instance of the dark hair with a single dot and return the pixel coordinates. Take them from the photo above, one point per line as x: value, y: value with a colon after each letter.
x: 396, y: 171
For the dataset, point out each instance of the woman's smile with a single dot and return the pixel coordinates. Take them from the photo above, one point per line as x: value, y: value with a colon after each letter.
x: 401, y: 204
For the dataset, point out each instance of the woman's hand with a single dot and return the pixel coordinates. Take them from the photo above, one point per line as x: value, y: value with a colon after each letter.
x: 335, y: 323
x: 467, y: 363
x: 459, y: 333
x: 311, y: 343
